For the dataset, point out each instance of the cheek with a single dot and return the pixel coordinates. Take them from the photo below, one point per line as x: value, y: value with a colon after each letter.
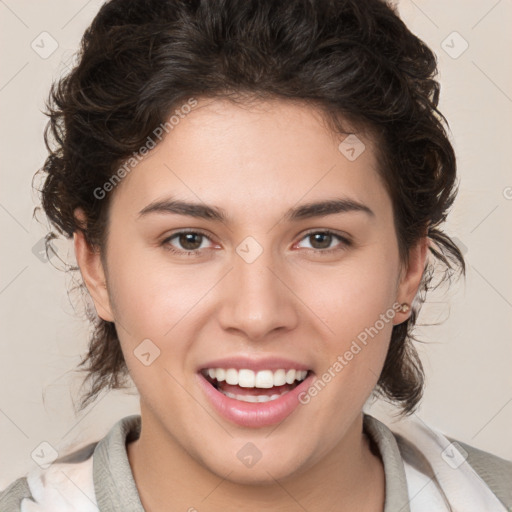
x: 149, y: 296
x: 165, y: 304
x: 355, y: 302
x: 351, y: 296
x: 352, y: 356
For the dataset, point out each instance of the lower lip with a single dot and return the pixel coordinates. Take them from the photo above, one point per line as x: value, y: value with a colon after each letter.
x: 254, y: 415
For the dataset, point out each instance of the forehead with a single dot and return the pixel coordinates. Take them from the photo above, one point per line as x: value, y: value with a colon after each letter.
x: 265, y: 154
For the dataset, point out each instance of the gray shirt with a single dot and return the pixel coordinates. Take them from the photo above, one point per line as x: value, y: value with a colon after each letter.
x: 115, y: 489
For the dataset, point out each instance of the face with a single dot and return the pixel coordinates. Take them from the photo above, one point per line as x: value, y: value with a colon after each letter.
x: 263, y: 285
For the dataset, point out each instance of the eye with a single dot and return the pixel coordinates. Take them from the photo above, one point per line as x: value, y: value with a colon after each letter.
x: 190, y: 241
x: 322, y: 240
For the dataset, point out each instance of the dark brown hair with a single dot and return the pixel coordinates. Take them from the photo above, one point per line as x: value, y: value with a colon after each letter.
x: 355, y: 60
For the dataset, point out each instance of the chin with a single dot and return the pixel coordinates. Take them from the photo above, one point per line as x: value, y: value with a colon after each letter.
x: 250, y: 466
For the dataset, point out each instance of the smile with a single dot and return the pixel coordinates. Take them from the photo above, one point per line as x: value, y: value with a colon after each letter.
x: 256, y: 397
x: 257, y: 387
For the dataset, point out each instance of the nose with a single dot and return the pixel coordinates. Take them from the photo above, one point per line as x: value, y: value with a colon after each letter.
x: 257, y: 301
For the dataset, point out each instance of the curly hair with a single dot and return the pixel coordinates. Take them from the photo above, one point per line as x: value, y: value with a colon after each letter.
x: 356, y: 61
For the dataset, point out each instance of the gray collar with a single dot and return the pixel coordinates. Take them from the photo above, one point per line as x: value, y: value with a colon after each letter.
x: 397, y: 495
x: 116, y: 490
x: 114, y: 485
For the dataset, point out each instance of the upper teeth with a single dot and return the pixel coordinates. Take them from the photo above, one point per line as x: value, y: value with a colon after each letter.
x: 262, y: 379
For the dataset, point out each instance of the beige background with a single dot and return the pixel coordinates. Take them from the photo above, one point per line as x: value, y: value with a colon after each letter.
x: 467, y: 358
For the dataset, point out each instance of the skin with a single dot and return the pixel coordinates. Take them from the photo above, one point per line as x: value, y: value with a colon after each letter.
x: 255, y: 162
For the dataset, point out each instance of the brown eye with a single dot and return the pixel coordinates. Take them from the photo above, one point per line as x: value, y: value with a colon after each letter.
x: 322, y: 241
x: 187, y: 243
x: 190, y: 241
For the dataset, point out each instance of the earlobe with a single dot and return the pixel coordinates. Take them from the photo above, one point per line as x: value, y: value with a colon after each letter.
x: 93, y: 273
x: 411, y: 281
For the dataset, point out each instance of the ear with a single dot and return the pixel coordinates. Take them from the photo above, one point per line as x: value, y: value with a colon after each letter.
x: 411, y: 277
x: 91, y: 268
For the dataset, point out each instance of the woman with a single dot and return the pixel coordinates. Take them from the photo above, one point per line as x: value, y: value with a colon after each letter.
x: 255, y: 190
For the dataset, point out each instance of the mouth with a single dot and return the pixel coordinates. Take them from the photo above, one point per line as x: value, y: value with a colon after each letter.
x: 247, y: 385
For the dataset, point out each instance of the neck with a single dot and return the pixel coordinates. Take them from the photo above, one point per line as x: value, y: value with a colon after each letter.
x: 167, y: 477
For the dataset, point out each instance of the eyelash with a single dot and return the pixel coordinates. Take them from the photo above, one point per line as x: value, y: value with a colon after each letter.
x: 197, y: 252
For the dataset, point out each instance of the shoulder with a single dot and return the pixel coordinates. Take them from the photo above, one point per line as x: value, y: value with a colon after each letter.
x: 75, y: 482
x: 493, y: 470
x: 462, y: 473
x: 48, y: 489
x: 13, y: 494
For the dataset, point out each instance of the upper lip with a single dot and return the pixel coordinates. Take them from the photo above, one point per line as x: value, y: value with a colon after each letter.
x: 255, y: 364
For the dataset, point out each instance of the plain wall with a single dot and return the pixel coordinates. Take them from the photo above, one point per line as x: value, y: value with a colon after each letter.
x: 467, y: 357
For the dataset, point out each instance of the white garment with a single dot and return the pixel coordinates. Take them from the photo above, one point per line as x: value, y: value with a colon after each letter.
x: 62, y: 487
x: 424, y: 494
x: 463, y: 488
x: 65, y: 487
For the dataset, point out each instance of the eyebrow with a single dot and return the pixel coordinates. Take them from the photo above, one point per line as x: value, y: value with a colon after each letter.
x: 305, y: 211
